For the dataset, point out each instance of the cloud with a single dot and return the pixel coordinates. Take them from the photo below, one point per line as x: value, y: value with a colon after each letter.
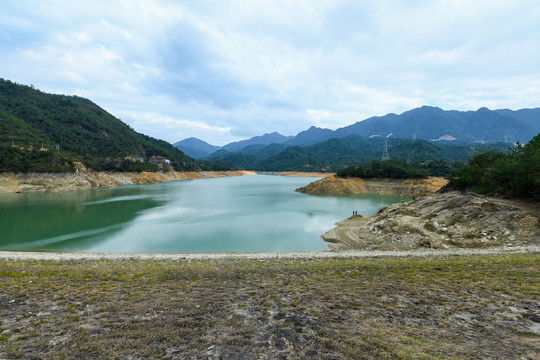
x: 223, y: 71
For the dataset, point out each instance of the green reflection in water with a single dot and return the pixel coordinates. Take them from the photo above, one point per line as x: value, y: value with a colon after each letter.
x: 238, y: 214
x: 71, y: 220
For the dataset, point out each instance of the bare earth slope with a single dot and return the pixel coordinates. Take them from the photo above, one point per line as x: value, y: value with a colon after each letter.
x: 441, y: 221
x: 86, y: 179
x: 338, y: 186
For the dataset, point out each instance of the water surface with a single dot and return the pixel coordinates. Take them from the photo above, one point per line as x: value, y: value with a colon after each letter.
x: 238, y: 214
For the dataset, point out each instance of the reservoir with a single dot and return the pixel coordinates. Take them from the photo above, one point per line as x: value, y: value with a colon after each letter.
x: 258, y: 213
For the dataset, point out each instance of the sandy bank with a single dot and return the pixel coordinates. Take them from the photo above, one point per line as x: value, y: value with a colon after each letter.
x: 304, y: 174
x: 86, y: 179
x: 334, y: 185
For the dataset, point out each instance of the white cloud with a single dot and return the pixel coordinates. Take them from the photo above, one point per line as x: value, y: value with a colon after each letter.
x: 226, y: 70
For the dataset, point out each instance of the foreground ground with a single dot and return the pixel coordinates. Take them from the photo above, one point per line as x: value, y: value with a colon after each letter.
x: 483, y: 307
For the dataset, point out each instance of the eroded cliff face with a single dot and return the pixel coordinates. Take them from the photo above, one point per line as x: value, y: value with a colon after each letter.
x: 85, y: 179
x: 409, y: 187
x: 441, y: 221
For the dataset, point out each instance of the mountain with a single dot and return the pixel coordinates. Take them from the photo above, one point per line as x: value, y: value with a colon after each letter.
x: 426, y: 122
x: 527, y: 116
x: 46, y: 132
x: 328, y: 155
x: 266, y: 139
x: 338, y: 153
x: 418, y: 135
x: 200, y: 149
x: 311, y: 136
x: 431, y: 123
x: 196, y: 148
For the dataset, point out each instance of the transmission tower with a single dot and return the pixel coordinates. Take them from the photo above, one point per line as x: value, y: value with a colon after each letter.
x: 385, y: 155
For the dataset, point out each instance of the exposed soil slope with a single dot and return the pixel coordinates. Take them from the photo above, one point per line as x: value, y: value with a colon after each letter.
x: 304, y: 174
x: 338, y: 186
x: 85, y: 179
x: 440, y: 221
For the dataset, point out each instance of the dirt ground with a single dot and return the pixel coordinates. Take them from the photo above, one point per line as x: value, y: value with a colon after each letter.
x: 429, y: 307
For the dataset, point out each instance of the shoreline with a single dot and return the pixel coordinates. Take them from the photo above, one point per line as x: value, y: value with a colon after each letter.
x: 353, y: 254
x: 335, y: 186
x: 85, y: 179
x: 441, y: 221
x: 90, y: 180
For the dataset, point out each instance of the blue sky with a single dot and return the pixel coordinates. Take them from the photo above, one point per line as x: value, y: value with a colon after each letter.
x: 228, y: 70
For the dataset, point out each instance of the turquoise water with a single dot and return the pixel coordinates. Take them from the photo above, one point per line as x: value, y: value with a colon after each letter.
x: 238, y: 214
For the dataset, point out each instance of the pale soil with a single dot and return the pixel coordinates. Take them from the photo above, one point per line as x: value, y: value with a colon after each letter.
x: 333, y: 185
x: 86, y: 180
x: 442, y: 221
x: 416, y: 253
x: 304, y: 174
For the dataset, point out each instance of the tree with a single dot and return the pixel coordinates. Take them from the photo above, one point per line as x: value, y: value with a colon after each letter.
x: 514, y: 174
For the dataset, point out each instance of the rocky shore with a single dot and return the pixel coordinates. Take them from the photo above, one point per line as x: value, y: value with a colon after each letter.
x: 442, y: 221
x: 334, y: 185
x: 85, y: 179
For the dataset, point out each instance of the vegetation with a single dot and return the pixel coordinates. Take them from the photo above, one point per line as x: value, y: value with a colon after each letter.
x: 439, y: 167
x: 429, y: 122
x: 416, y: 308
x: 218, y: 165
x: 516, y: 173
x: 339, y: 153
x: 384, y: 169
x: 13, y: 159
x: 71, y: 128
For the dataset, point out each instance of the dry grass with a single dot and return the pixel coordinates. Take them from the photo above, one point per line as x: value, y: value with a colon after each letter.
x: 456, y: 308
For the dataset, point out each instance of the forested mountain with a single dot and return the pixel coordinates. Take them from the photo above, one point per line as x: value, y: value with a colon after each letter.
x: 335, y: 154
x: 266, y: 139
x: 431, y: 123
x: 311, y: 136
x: 427, y: 123
x: 45, y: 132
x: 196, y: 148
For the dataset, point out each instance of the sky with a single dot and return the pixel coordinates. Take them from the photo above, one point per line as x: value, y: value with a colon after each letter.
x: 228, y: 70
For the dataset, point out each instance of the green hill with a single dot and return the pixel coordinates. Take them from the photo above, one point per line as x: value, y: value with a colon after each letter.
x: 339, y: 153
x: 515, y: 174
x: 45, y: 132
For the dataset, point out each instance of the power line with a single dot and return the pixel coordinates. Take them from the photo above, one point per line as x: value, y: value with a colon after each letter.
x: 385, y: 156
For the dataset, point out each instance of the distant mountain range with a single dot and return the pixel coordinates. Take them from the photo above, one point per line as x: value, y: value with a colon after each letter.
x: 47, y: 132
x: 337, y: 153
x: 427, y: 123
x: 196, y: 148
x: 199, y: 149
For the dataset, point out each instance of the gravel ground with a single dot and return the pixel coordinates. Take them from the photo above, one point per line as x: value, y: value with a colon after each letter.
x: 458, y: 304
x: 22, y: 255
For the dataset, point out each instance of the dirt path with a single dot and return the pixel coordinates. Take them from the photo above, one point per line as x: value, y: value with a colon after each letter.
x: 73, y: 256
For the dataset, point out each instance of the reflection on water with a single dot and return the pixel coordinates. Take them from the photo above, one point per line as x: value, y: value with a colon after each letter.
x: 240, y: 214
x: 71, y: 220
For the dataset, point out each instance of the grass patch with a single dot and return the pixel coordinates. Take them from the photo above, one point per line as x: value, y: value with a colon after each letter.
x: 394, y: 308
